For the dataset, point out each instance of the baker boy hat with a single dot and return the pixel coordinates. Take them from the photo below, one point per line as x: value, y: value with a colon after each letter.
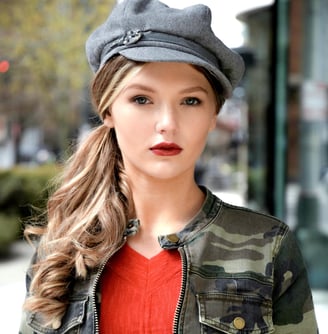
x: 150, y: 31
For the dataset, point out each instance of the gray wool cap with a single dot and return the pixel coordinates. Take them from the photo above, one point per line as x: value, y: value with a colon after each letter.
x: 150, y: 31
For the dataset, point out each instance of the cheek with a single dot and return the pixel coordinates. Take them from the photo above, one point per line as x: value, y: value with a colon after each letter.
x: 198, y: 137
x: 205, y: 125
x: 136, y: 128
x: 203, y: 132
x: 131, y: 132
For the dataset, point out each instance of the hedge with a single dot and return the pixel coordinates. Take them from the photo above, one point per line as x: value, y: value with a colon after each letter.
x: 21, y: 190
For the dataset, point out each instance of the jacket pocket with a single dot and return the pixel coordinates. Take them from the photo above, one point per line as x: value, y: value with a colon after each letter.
x: 72, y: 320
x: 234, y: 314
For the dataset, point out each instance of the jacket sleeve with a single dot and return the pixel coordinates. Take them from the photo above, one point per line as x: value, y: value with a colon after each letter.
x: 293, y: 310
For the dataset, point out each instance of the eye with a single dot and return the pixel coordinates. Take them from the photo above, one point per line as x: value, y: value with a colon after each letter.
x: 141, y: 100
x: 191, y: 101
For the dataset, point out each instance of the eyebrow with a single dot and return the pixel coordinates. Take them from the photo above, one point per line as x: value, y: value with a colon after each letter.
x: 191, y: 89
x: 195, y: 89
x: 139, y: 86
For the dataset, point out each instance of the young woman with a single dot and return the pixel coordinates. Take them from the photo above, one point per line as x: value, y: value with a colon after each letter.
x: 132, y: 243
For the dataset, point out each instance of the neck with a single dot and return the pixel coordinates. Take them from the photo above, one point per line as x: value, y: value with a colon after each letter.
x: 164, y: 206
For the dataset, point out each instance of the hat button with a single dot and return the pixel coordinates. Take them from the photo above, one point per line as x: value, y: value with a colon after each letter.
x: 239, y: 323
x: 132, y: 37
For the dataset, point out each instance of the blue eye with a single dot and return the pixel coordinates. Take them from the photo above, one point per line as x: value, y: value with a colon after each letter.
x: 192, y: 101
x: 141, y: 100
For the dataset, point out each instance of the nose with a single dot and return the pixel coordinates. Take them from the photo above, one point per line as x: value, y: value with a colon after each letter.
x: 167, y: 120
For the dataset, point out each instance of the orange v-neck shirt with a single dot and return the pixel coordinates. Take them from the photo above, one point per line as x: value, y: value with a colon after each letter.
x: 139, y: 295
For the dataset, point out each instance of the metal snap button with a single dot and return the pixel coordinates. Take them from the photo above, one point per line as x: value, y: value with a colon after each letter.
x: 239, y: 323
x: 56, y: 324
x: 173, y: 238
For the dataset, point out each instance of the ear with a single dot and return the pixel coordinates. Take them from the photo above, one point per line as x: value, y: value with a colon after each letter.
x: 213, y: 123
x: 108, y: 120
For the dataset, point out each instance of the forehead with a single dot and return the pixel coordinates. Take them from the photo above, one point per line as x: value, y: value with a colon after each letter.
x: 178, y: 73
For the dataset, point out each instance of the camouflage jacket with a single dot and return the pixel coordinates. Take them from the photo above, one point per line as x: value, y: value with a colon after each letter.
x: 242, y: 273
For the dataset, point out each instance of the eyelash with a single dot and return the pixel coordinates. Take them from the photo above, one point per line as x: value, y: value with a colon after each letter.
x: 137, y: 99
x: 189, y: 101
x: 195, y: 101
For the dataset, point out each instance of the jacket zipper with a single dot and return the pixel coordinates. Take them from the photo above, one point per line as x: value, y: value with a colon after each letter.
x: 95, y: 283
x: 182, y: 293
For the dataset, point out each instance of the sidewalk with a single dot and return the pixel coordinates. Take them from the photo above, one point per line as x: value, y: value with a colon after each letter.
x: 12, y: 291
x: 12, y: 286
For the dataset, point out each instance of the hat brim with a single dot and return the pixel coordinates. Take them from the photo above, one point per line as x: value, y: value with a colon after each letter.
x: 159, y: 54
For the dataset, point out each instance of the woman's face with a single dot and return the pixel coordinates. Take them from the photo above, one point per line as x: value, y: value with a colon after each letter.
x: 162, y: 117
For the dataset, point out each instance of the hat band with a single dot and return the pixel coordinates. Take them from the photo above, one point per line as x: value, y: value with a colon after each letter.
x: 135, y: 38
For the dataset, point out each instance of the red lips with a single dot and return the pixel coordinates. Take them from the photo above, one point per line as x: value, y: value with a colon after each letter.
x: 166, y: 149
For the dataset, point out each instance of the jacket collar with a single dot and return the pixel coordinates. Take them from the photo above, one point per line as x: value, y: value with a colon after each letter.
x: 205, y: 216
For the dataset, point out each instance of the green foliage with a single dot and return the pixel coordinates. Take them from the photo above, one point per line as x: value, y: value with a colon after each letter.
x: 22, y: 189
x: 45, y: 44
x: 256, y: 186
x: 9, y: 230
x: 44, y: 41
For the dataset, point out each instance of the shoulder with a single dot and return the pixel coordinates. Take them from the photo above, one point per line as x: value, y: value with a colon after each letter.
x: 244, y: 227
x: 245, y: 221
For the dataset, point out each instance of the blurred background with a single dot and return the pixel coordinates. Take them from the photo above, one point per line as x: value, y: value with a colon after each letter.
x: 269, y: 152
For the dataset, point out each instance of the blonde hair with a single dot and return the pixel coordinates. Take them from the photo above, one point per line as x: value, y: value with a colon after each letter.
x: 88, y: 214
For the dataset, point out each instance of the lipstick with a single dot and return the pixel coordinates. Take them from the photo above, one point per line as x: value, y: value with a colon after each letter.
x: 166, y: 149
